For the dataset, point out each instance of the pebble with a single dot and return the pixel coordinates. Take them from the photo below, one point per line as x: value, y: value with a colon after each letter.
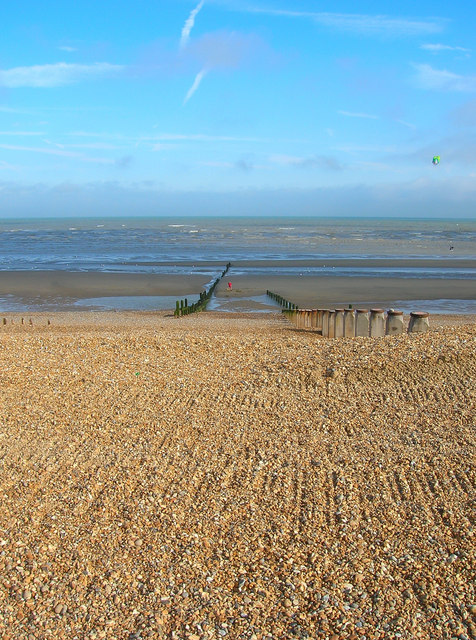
x: 199, y: 499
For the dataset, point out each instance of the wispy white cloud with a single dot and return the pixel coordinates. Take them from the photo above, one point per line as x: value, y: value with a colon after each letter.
x: 196, y: 83
x: 323, y: 162
x: 198, y: 137
x: 162, y: 139
x: 372, y: 25
x: 351, y: 114
x: 56, y: 152
x: 45, y: 150
x: 437, y: 48
x: 409, y: 125
x: 55, y: 75
x: 6, y: 166
x: 441, y: 80
x: 68, y: 49
x: 4, y: 109
x: 101, y: 146
x: 160, y: 146
x: 189, y: 23
x: 369, y: 148
x: 22, y: 133
x: 377, y: 25
x: 229, y: 50
x: 217, y: 164
x: 53, y: 144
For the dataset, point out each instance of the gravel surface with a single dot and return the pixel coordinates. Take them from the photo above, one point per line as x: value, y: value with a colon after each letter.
x: 228, y: 476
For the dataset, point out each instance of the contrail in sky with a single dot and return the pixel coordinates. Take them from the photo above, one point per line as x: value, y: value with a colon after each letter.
x: 195, y: 85
x: 188, y: 26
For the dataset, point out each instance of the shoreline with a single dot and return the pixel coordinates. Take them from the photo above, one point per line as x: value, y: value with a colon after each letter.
x: 330, y: 291
x: 30, y: 291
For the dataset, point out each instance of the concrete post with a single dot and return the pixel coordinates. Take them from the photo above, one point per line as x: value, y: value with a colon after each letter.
x: 394, y: 323
x: 362, y: 322
x: 307, y: 318
x: 377, y: 323
x: 349, y: 323
x: 419, y: 322
x: 331, y: 329
x: 325, y: 322
x: 314, y: 319
x: 319, y: 319
x: 339, y: 323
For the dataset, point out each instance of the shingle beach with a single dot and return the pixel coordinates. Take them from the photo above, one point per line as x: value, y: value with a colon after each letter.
x: 228, y: 476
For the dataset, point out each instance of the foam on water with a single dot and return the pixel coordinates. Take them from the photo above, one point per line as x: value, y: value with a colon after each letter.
x: 203, y: 245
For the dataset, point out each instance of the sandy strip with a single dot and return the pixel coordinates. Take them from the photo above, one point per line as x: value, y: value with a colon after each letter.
x: 97, y: 284
x: 305, y: 291
x: 330, y: 291
x: 220, y: 476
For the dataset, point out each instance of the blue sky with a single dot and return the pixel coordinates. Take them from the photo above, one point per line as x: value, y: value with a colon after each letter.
x: 220, y: 107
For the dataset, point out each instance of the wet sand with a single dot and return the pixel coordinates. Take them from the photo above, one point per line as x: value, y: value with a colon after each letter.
x: 228, y: 476
x: 305, y: 290
x: 330, y: 291
x: 77, y: 285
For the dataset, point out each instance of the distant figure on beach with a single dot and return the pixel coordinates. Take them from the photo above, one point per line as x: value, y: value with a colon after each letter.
x: 229, y: 286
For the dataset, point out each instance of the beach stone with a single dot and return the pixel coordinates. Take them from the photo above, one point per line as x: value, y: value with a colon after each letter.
x: 296, y: 489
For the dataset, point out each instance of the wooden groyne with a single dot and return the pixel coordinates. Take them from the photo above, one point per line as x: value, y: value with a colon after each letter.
x: 346, y: 323
x: 182, y: 308
x: 281, y: 301
x: 22, y: 321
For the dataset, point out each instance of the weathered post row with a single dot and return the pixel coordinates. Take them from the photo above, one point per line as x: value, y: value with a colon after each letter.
x: 339, y: 323
x: 182, y: 308
x: 281, y: 301
x: 22, y: 321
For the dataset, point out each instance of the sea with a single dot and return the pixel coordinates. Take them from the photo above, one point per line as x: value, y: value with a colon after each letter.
x: 410, y: 247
